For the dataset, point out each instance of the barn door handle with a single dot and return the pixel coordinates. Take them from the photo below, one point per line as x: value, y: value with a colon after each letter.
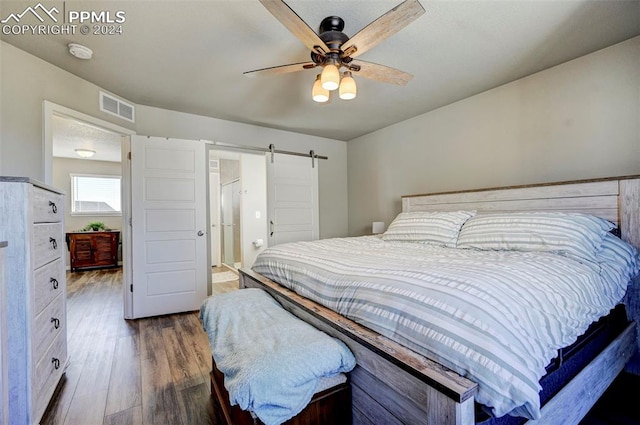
x: 56, y: 322
x: 54, y: 208
x: 53, y: 242
x: 271, y: 227
x: 54, y: 282
x: 56, y: 363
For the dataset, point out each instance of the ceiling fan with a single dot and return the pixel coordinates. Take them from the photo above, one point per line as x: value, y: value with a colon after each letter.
x: 333, y: 50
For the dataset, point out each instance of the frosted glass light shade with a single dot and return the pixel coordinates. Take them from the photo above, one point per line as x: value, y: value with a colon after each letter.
x: 348, y: 88
x: 330, y: 77
x: 85, y: 153
x: 318, y: 93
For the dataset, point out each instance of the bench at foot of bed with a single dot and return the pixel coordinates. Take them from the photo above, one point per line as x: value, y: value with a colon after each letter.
x: 330, y: 406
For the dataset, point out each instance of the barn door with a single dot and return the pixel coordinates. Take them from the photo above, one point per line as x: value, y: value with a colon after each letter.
x: 292, y: 183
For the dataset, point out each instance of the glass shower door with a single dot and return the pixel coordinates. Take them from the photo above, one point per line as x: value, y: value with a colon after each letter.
x: 230, y: 221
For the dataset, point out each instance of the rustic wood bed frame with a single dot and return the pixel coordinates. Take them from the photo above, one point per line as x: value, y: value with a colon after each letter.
x: 394, y: 385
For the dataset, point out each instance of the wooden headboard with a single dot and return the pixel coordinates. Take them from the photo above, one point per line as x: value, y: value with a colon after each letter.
x: 616, y: 199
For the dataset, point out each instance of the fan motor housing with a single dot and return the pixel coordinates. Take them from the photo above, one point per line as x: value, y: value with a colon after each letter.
x: 331, y: 32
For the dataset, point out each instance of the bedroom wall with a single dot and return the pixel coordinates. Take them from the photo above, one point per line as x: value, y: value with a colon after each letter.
x: 26, y: 82
x: 332, y: 172
x: 577, y: 120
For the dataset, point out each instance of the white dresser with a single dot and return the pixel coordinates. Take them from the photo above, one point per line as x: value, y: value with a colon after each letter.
x: 4, y: 370
x: 31, y: 221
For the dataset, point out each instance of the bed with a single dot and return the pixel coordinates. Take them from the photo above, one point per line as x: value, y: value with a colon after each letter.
x: 395, y: 384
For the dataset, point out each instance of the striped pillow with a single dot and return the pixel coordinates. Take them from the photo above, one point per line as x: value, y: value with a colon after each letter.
x: 566, y: 233
x: 615, y: 251
x: 434, y: 228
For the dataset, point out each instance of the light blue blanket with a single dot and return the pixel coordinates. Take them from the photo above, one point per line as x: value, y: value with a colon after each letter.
x: 271, y: 360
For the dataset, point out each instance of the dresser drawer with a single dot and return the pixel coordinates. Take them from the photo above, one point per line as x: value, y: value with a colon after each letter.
x: 47, y: 373
x: 47, y: 206
x: 48, y: 324
x: 48, y: 243
x: 48, y: 284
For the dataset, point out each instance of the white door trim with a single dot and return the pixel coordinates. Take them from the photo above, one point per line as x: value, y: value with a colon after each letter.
x: 48, y: 111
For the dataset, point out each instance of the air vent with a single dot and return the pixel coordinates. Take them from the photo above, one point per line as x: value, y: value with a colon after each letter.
x: 214, y: 165
x: 117, y: 107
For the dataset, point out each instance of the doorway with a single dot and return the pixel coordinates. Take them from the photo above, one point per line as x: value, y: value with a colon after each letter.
x: 230, y: 205
x: 238, y: 211
x: 53, y: 112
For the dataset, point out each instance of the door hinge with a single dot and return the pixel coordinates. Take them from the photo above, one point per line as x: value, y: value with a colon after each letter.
x: 130, y: 222
x: 131, y: 288
x: 129, y: 156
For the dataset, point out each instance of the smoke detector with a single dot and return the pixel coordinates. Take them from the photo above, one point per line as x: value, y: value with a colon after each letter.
x: 80, y: 51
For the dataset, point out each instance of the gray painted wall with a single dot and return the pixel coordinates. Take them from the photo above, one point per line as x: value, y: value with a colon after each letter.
x: 27, y: 81
x: 577, y: 120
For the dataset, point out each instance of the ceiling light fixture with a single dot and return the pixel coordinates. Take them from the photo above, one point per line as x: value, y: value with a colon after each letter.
x: 319, y: 93
x: 347, y: 85
x: 80, y: 51
x: 348, y: 88
x: 85, y: 153
x: 330, y: 76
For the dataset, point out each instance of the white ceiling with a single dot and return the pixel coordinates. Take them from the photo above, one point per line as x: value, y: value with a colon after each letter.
x: 69, y: 135
x: 189, y: 56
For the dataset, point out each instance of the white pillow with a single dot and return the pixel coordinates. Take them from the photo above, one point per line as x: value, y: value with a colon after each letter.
x: 565, y: 233
x: 434, y: 228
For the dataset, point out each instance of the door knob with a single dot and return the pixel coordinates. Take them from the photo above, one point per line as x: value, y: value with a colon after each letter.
x: 200, y: 233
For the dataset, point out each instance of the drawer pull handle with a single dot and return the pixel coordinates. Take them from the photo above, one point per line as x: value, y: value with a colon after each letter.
x: 54, y: 207
x: 54, y: 282
x: 54, y: 243
x: 56, y: 363
x: 56, y: 323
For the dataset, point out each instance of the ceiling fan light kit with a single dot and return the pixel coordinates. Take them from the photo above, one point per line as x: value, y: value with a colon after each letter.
x: 319, y: 93
x: 332, y: 49
x: 348, y: 88
x: 330, y: 77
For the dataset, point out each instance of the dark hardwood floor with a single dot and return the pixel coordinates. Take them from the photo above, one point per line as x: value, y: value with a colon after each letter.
x: 156, y: 371
x: 146, y: 371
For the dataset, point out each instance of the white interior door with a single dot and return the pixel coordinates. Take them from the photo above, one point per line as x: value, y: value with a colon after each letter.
x: 292, y: 191
x: 168, y: 191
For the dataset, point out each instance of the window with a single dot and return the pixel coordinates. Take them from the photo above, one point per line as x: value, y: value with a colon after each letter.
x: 95, y: 195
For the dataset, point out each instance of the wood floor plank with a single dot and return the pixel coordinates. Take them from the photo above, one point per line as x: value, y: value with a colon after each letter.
x: 132, y: 416
x: 160, y: 404
x: 196, y: 406
x: 184, y: 369
x: 197, y: 343
x: 87, y: 409
x: 125, y: 385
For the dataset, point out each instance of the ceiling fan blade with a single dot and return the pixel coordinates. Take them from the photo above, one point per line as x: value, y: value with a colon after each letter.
x: 383, y: 27
x: 295, y: 24
x: 382, y: 73
x: 282, y: 69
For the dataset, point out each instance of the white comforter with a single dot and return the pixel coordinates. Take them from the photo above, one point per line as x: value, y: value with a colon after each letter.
x: 496, y: 317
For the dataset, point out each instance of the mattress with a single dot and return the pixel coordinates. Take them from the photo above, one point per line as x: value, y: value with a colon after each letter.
x: 495, y: 317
